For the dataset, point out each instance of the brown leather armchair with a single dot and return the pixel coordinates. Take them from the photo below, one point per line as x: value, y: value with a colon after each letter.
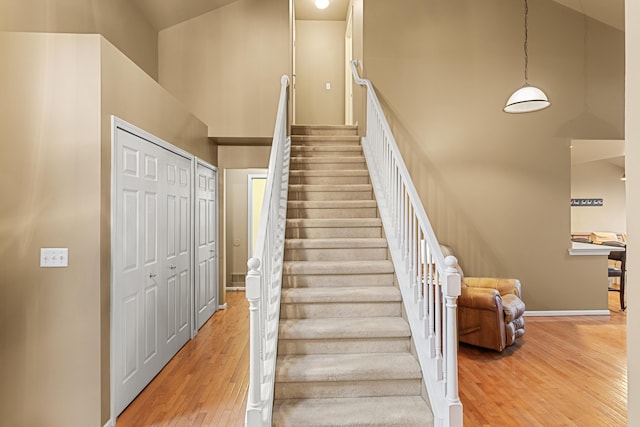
x: 490, y: 311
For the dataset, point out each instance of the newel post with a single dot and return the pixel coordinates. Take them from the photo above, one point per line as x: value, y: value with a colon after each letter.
x: 252, y: 292
x: 452, y: 292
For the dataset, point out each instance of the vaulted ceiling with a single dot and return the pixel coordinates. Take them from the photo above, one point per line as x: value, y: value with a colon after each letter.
x: 166, y: 13
x: 611, y: 12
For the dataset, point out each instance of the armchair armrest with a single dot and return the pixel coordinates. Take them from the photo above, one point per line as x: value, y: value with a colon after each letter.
x: 480, y: 298
x: 503, y: 286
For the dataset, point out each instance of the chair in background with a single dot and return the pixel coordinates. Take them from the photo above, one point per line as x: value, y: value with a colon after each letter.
x: 617, y: 259
x: 490, y: 311
x: 618, y: 268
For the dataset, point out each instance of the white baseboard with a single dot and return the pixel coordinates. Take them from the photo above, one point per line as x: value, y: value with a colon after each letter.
x: 109, y: 423
x: 548, y: 313
x: 222, y: 306
x: 235, y: 288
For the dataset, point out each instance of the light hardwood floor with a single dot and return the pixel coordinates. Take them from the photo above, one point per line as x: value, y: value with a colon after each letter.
x: 567, y: 371
x: 206, y: 383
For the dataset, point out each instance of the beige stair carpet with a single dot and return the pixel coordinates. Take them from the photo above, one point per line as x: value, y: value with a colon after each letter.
x: 344, y: 350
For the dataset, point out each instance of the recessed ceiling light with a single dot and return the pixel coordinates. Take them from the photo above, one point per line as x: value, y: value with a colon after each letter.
x: 322, y: 4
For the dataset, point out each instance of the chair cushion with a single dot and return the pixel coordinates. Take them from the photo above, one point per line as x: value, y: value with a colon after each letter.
x: 512, y: 306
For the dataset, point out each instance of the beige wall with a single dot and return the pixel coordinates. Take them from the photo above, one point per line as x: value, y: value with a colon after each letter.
x: 49, y: 161
x: 497, y: 186
x: 599, y: 179
x: 320, y: 60
x: 58, y: 97
x: 120, y: 21
x: 226, y: 65
x: 632, y: 136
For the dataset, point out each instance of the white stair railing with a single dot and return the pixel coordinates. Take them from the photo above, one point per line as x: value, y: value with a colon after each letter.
x: 264, y: 279
x: 429, y: 282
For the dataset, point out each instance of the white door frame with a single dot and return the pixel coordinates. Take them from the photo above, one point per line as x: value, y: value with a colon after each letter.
x: 250, y: 179
x: 292, y: 17
x: 348, y: 51
x: 117, y: 123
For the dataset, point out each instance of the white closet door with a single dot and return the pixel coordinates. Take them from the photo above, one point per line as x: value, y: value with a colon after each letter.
x: 150, y: 294
x: 176, y: 253
x: 206, y: 243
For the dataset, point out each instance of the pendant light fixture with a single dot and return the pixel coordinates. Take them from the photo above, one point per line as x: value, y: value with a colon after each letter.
x: 528, y: 98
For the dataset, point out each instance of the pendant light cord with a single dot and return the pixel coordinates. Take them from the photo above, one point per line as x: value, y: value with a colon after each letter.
x: 526, y: 43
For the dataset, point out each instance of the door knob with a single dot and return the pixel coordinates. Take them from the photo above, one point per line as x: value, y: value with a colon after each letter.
x: 152, y: 275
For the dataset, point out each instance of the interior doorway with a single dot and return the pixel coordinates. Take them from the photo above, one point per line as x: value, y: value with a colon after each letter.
x: 237, y: 224
x: 318, y: 56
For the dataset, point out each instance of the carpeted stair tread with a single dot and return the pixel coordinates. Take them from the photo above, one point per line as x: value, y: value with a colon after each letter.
x: 326, y: 148
x: 336, y: 243
x: 342, y: 159
x: 391, y: 411
x: 347, y: 367
x: 338, y: 295
x: 333, y: 222
x: 329, y: 187
x: 342, y: 328
x: 337, y: 267
x: 306, y: 129
x: 336, y: 280
x: 331, y: 204
x: 329, y: 172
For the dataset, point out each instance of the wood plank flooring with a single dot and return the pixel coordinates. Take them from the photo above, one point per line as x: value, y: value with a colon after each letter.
x: 568, y: 371
x: 206, y: 383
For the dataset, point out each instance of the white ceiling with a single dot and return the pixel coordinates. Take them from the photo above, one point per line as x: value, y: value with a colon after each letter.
x: 307, y: 11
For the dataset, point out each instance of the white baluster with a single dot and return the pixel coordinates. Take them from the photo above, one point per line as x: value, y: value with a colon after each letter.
x: 430, y: 304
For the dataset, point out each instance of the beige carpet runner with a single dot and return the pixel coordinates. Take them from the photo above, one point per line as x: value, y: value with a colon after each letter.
x: 344, y: 352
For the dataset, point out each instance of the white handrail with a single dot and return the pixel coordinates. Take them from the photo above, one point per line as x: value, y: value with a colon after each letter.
x: 430, y: 283
x: 264, y: 279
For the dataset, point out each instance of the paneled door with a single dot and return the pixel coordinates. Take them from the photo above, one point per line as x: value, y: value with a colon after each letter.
x: 176, y: 254
x: 151, y: 261
x: 206, y: 271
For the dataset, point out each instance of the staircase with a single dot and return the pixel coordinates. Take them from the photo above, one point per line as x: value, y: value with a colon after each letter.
x: 344, y: 348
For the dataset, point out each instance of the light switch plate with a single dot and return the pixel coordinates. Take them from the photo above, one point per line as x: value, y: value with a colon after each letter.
x: 54, y: 257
